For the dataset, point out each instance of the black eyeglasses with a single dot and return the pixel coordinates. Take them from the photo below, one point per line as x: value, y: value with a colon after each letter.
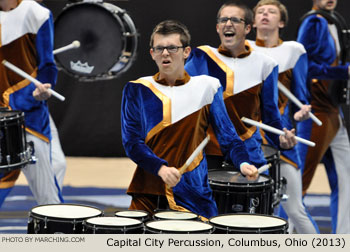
x: 235, y: 20
x: 170, y: 49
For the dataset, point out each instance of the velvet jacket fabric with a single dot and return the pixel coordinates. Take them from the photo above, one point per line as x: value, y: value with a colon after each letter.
x: 292, y: 67
x: 162, y: 125
x: 27, y: 42
x: 250, y: 90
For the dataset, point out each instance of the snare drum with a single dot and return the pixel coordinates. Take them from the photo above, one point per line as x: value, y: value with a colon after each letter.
x: 112, y: 225
x: 234, y: 193
x: 60, y: 218
x: 178, y: 227
x: 175, y: 215
x: 248, y: 224
x: 140, y: 215
x: 14, y: 152
x: 107, y: 36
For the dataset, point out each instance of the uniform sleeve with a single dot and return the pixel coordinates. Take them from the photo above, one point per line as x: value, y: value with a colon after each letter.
x: 133, y: 136
x: 270, y: 114
x: 230, y: 144
x: 196, y: 64
x: 299, y: 80
x: 314, y: 35
x: 47, y: 71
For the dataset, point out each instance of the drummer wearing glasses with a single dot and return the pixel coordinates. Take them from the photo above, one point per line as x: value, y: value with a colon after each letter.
x: 164, y: 118
x: 249, y: 81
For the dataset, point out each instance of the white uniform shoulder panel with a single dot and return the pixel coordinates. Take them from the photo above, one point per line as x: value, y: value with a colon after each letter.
x: 248, y: 71
x: 287, y: 54
x: 190, y: 97
x: 28, y: 17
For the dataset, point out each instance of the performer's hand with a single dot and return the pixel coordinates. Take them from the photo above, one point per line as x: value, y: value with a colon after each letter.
x: 42, y: 92
x: 303, y: 113
x: 170, y: 175
x: 249, y: 171
x: 288, y: 141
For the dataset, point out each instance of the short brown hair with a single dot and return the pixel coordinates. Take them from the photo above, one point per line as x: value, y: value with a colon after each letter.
x: 172, y: 27
x: 282, y: 8
x: 248, y: 14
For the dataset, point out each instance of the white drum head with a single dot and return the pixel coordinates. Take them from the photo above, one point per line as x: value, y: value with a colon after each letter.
x: 179, y: 225
x: 131, y: 214
x: 113, y: 221
x: 175, y: 215
x: 248, y: 221
x: 66, y: 211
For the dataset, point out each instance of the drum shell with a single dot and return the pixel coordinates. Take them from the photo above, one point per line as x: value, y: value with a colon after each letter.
x: 227, y: 229
x: 237, y: 197
x: 13, y: 144
x: 41, y: 224
x: 90, y: 228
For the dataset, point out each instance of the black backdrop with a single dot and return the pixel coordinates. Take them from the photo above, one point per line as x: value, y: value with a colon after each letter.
x: 89, y: 120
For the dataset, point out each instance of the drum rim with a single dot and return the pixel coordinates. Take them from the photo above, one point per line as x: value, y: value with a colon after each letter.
x: 194, y: 215
x: 221, y: 227
x: 268, y: 146
x: 16, y: 114
x: 250, y: 183
x: 53, y: 218
x: 146, y: 214
x: 111, y: 227
x: 148, y: 228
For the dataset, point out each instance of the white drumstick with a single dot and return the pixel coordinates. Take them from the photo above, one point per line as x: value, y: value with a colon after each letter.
x: 73, y: 45
x: 195, y: 154
x: 295, y: 100
x: 275, y: 131
x: 30, y: 78
x: 263, y: 168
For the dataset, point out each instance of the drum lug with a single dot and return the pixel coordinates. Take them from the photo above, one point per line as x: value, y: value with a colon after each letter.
x: 45, y: 221
x: 30, y: 153
x: 8, y: 159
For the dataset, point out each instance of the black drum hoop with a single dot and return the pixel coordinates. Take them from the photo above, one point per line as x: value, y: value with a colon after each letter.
x: 122, y: 228
x: 161, y: 231
x: 143, y: 218
x: 156, y: 217
x: 41, y: 217
x: 250, y: 230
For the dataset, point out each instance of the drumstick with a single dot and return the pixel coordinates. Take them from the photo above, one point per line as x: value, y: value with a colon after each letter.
x: 73, y: 45
x: 291, y: 97
x: 194, y: 154
x: 262, y: 169
x: 275, y: 131
x: 30, y: 78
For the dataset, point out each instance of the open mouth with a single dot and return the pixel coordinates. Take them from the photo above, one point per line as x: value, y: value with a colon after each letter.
x: 264, y: 21
x: 229, y: 34
x: 166, y: 62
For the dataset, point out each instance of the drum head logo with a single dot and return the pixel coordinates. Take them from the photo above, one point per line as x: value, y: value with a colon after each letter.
x: 81, y: 67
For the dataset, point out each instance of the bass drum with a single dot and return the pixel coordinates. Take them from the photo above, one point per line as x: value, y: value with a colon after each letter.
x: 107, y: 36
